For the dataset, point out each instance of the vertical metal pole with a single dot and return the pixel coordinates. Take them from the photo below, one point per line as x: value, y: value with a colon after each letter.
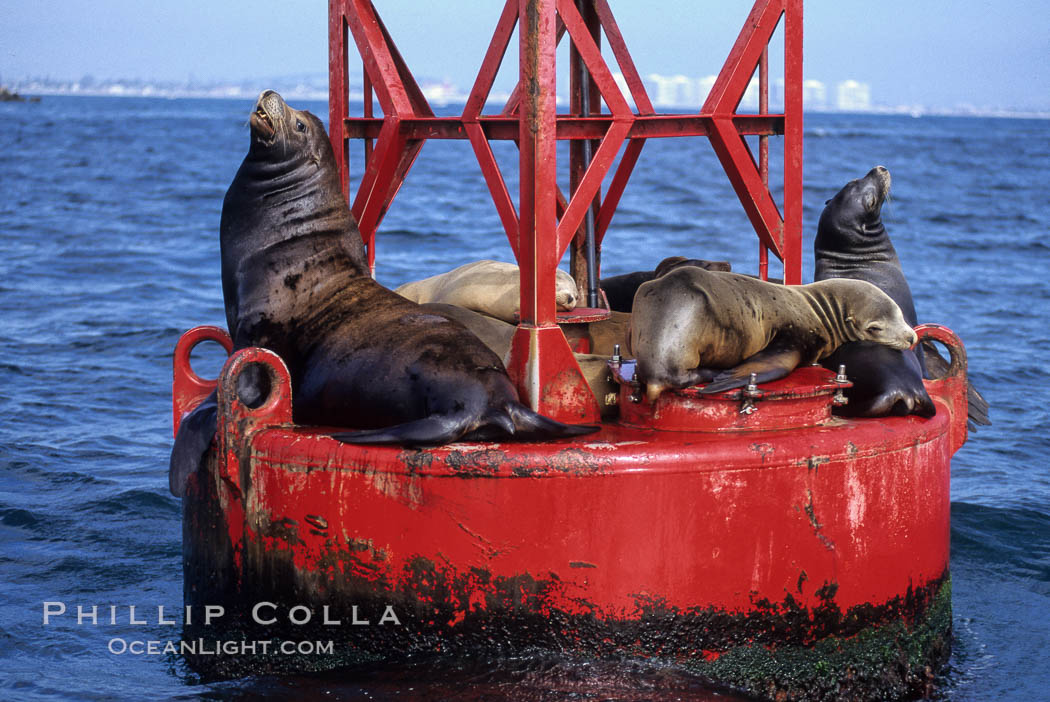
x: 584, y: 254
x: 540, y: 363
x: 369, y: 102
x: 366, y: 84
x: 589, y: 242
x: 338, y: 92
x: 793, y: 142
x: 538, y: 238
x: 763, y: 151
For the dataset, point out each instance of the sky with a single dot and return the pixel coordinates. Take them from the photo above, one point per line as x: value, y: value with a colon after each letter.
x: 934, y: 53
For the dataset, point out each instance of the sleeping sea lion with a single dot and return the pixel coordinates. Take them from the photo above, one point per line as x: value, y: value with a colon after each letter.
x: 852, y: 242
x: 492, y: 288
x: 693, y: 326
x: 620, y: 289
x: 296, y: 281
x: 499, y: 335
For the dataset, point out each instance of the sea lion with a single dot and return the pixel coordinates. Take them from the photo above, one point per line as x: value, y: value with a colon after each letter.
x: 693, y: 326
x: 499, y: 335
x: 620, y: 289
x: 494, y: 333
x: 603, y: 336
x: 852, y: 242
x: 489, y: 287
x: 296, y: 281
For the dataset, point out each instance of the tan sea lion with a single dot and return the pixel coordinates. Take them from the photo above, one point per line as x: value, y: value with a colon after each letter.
x: 295, y: 281
x: 488, y: 287
x: 620, y: 289
x: 693, y: 326
x: 498, y: 335
x: 602, y: 336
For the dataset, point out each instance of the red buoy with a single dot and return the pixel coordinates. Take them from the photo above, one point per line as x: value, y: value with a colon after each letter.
x: 751, y: 536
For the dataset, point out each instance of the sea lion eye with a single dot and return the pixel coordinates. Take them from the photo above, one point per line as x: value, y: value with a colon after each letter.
x: 874, y: 329
x: 300, y: 126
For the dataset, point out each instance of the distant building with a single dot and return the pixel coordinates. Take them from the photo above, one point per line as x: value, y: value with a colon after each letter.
x: 440, y: 93
x: 672, y: 91
x: 705, y: 84
x: 776, y: 94
x: 659, y: 88
x: 853, y: 96
x: 750, y: 99
x: 814, y: 95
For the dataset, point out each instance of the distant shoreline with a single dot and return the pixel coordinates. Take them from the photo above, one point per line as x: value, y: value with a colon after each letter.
x: 317, y: 96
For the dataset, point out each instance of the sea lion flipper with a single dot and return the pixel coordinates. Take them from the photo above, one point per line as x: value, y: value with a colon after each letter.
x: 196, y: 431
x: 433, y: 430
x: 936, y: 366
x: 531, y: 425
x: 976, y: 407
x: 517, y: 420
x: 893, y: 402
x: 768, y: 364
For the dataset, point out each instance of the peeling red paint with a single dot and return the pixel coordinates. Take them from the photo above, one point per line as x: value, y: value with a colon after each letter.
x: 650, y: 509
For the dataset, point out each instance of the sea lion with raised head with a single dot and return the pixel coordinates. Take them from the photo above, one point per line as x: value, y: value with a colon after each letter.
x: 693, y: 326
x: 295, y: 281
x: 852, y: 242
x: 492, y: 288
x: 620, y: 289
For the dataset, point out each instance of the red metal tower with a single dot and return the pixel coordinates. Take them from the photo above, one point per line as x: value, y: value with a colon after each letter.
x: 548, y: 222
x: 782, y: 550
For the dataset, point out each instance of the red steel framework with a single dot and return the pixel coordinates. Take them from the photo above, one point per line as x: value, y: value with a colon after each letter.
x: 752, y: 536
x: 547, y: 222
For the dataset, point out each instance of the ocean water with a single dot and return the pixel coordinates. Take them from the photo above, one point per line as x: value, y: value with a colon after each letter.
x: 109, y: 216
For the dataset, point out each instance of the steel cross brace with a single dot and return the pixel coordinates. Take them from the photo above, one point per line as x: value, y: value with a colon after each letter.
x: 547, y: 221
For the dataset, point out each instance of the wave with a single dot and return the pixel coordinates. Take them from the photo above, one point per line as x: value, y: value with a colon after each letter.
x: 1009, y: 541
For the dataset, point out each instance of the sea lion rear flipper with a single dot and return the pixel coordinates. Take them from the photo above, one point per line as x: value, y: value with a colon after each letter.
x: 437, y: 429
x: 770, y: 363
x: 434, y: 430
x: 936, y: 366
x: 530, y: 425
x: 976, y: 407
x: 196, y: 431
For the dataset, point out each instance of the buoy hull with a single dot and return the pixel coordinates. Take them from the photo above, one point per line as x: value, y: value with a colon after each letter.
x: 736, y: 554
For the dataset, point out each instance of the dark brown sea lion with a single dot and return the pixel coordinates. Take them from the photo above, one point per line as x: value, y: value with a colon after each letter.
x: 620, y: 289
x: 693, y: 326
x: 852, y: 242
x: 295, y: 281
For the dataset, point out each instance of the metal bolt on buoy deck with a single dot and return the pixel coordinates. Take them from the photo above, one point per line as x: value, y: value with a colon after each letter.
x: 750, y: 394
x: 840, y: 396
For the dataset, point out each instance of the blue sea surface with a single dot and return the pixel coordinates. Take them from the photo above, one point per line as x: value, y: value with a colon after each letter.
x: 109, y: 250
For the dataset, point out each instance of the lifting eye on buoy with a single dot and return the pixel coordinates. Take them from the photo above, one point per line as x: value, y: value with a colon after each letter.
x: 254, y: 385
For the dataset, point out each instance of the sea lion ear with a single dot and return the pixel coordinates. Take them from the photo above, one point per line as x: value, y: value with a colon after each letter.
x: 851, y: 321
x: 828, y: 201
